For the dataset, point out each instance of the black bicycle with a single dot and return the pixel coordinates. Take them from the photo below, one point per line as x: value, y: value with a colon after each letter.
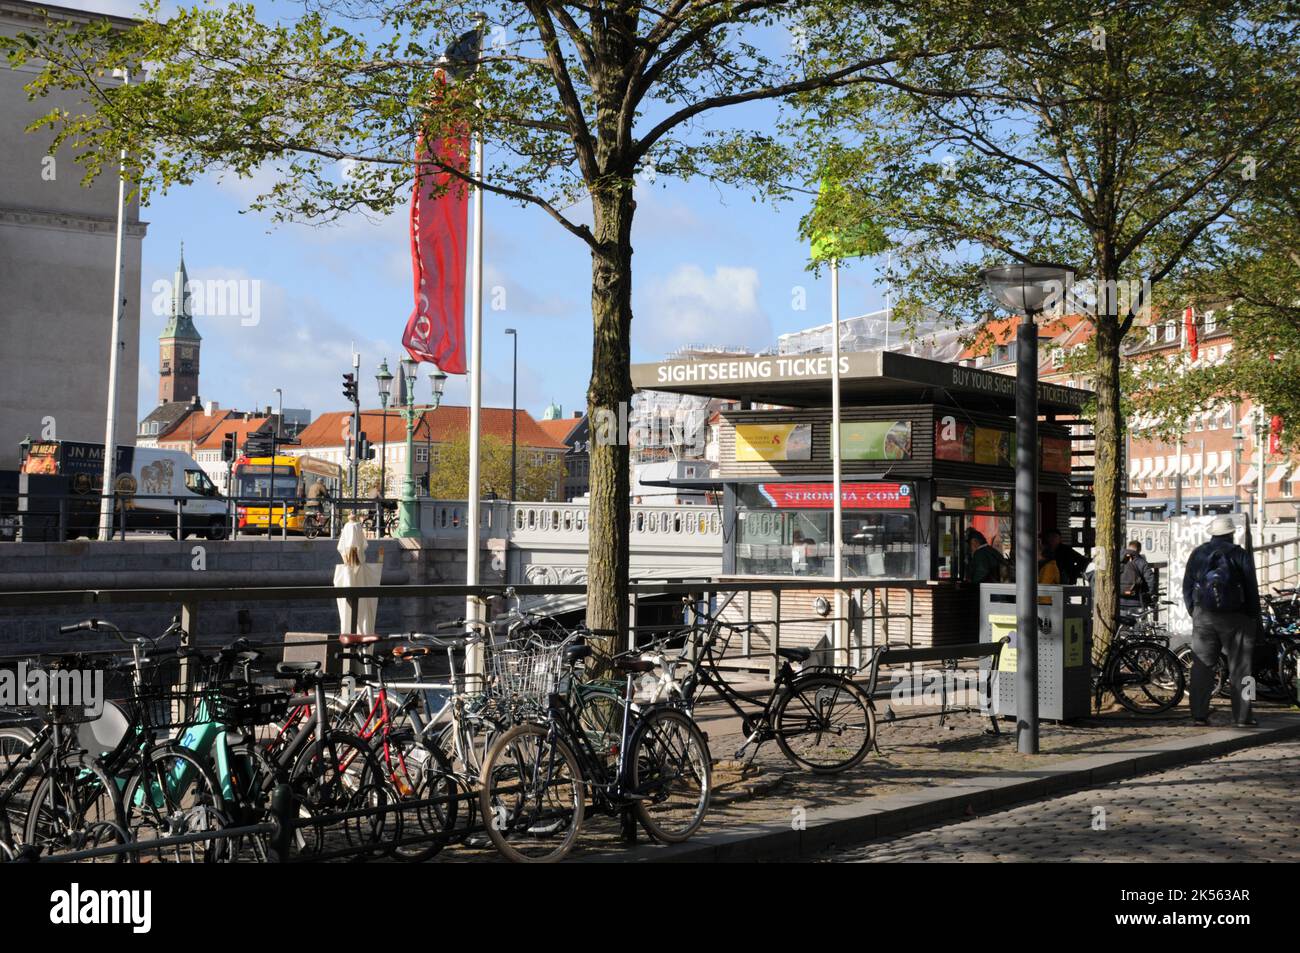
x: 819, y: 717
x: 652, y: 765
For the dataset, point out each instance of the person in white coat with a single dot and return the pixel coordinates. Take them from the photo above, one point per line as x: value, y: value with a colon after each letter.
x: 355, y: 571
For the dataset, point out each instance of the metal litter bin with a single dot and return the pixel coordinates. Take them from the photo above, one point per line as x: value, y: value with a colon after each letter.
x: 1064, y: 648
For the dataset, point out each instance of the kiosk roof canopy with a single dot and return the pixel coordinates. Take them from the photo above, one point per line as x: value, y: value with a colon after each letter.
x: 866, y: 377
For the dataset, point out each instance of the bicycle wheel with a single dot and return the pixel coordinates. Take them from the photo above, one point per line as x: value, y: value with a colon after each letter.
x: 671, y: 774
x: 13, y: 749
x: 1186, y: 655
x: 1146, y: 678
x: 75, y: 807
x: 531, y: 795
x: 419, y: 772
x: 824, y: 723
x: 339, y: 777
x: 173, y: 792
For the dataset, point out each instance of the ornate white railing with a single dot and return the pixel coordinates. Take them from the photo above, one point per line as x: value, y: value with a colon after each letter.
x: 558, y: 523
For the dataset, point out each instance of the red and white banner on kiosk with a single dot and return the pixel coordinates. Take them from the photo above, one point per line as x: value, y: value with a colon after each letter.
x: 857, y: 496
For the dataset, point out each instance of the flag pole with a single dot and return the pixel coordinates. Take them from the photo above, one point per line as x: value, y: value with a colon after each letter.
x: 474, y: 605
x: 837, y: 535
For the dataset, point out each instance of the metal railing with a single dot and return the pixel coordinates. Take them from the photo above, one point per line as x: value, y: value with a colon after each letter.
x: 873, y: 613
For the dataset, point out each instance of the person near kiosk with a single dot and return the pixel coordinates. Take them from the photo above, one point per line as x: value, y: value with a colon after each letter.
x: 985, y: 562
x: 1137, y: 581
x: 1070, y: 563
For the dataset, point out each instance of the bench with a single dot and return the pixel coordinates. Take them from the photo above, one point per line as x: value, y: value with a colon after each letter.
x: 950, y: 655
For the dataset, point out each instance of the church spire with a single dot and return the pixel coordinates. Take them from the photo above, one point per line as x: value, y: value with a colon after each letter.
x: 180, y: 324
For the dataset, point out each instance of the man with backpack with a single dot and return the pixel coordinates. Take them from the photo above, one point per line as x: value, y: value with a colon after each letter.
x: 1137, y: 580
x: 1222, y: 596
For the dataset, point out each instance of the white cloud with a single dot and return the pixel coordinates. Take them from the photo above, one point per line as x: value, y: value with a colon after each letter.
x: 691, y: 307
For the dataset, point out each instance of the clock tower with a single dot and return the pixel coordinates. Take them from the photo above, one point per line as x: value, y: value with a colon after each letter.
x: 178, y: 345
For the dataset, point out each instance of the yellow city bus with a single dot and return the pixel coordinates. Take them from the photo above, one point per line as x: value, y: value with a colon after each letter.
x: 284, y: 480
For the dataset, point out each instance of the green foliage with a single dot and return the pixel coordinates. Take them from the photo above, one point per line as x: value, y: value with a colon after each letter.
x: 1254, y: 285
x: 536, y: 481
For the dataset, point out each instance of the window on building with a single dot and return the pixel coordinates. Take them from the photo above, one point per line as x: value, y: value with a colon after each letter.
x: 1210, y: 321
x: 421, y: 454
x: 1153, y: 334
x: 1171, y: 331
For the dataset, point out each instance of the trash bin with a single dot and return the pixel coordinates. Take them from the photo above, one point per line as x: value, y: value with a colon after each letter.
x: 1064, y: 648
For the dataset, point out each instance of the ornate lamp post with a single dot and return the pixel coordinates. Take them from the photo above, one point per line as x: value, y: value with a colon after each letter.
x: 408, y: 524
x: 1027, y: 290
x: 384, y: 381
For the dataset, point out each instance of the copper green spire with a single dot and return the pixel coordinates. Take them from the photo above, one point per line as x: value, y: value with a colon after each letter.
x: 181, y: 322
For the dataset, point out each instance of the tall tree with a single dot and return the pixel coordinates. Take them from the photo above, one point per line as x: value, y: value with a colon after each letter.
x: 574, y: 99
x: 1109, y: 136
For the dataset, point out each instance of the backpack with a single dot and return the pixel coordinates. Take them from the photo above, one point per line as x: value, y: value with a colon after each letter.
x: 1219, y: 587
x: 1131, y: 583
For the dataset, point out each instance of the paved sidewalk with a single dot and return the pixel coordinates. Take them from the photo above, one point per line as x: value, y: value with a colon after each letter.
x: 1240, y: 808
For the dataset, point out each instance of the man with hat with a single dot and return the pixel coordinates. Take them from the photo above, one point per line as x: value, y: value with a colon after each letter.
x: 1222, y: 597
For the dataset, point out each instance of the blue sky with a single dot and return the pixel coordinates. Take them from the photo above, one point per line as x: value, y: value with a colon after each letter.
x: 710, y: 266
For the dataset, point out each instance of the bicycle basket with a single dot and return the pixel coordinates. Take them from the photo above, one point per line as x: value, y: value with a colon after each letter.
x: 241, y: 703
x: 530, y: 672
x: 170, y: 707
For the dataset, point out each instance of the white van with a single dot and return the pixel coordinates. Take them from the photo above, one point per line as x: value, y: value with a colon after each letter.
x: 151, y: 484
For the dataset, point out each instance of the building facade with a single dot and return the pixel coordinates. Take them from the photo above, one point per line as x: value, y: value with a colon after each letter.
x: 56, y: 270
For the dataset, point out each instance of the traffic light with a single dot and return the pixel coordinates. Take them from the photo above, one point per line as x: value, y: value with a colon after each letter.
x: 228, y: 447
x: 365, y: 449
x: 350, y: 387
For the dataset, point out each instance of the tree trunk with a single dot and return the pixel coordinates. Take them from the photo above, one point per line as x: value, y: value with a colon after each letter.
x: 1108, y: 428
x: 608, y: 403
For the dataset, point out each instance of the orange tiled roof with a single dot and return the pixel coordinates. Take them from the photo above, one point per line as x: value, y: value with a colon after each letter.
x: 439, y: 426
x: 561, y: 428
x: 240, y: 428
x: 1001, y: 331
x: 193, y: 428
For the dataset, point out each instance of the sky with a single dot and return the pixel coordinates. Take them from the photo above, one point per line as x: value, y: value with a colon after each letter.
x: 711, y: 266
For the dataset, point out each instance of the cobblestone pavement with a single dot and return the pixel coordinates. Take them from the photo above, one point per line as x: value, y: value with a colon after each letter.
x: 1241, y: 807
x: 914, y: 756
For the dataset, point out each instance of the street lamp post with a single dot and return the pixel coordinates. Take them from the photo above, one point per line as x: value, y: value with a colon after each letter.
x: 1025, y: 290
x: 514, y: 418
x: 408, y: 524
x: 384, y: 381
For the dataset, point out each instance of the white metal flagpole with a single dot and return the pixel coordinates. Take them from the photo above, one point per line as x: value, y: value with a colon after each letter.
x: 115, y: 345
x: 473, y: 605
x: 837, y: 535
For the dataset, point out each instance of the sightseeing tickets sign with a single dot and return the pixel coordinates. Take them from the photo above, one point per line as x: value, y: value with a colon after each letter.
x: 853, y: 496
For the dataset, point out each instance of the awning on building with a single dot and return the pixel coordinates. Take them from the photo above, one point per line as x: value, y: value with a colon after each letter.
x: 1248, y: 477
x: 1191, y: 466
x: 1157, y: 468
x: 1279, y: 473
x: 1225, y: 463
x: 1134, y: 466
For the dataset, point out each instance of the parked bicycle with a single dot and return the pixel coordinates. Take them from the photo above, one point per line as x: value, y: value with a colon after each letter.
x: 540, y: 775
x: 1138, y: 669
x: 819, y: 717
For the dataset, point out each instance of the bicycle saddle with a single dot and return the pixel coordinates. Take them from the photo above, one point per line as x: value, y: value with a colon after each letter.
x: 357, y: 639
x: 574, y: 653
x: 295, y: 669
x: 411, y: 651
x: 794, y: 654
x: 1127, y: 619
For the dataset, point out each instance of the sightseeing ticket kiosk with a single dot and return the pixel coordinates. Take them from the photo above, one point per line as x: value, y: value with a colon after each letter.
x: 927, y: 451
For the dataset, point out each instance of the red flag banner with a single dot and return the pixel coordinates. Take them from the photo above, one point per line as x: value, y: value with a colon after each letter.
x: 439, y: 233
x: 1275, y: 434
x: 1189, y: 332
